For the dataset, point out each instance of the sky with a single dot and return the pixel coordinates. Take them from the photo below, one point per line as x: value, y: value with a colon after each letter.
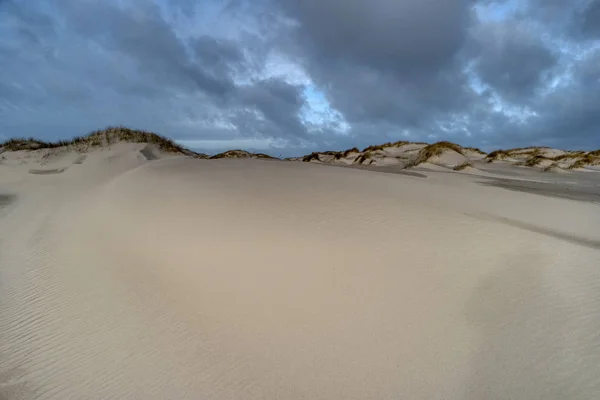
x: 288, y: 77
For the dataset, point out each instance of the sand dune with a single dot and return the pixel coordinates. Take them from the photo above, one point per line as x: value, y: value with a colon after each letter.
x: 447, y: 155
x: 133, y: 274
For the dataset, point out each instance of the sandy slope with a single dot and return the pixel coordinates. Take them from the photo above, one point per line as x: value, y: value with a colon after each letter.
x: 128, y: 278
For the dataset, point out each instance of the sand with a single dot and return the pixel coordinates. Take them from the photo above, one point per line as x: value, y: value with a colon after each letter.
x: 131, y: 275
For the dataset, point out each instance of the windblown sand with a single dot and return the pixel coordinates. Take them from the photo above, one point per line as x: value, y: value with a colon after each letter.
x: 123, y: 276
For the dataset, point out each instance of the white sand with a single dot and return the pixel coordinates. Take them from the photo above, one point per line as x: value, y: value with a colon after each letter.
x: 123, y: 278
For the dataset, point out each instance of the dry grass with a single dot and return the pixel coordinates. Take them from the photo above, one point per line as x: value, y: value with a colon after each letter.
x: 16, y: 144
x: 551, y: 167
x: 497, y: 155
x: 566, y: 156
x: 232, y: 154
x: 465, y: 165
x: 349, y: 151
x: 475, y: 150
x: 410, y: 163
x: 577, y: 164
x: 586, y: 160
x: 537, y: 152
x: 530, y: 150
x: 100, y: 138
x: 311, y: 157
x: 363, y: 157
x: 534, y: 161
x: 264, y: 156
x: 386, y: 145
x: 436, y: 149
x: 595, y: 153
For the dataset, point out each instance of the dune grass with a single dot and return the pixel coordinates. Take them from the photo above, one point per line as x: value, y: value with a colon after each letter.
x: 577, y: 164
x: 231, y: 154
x: 497, y: 155
x: 16, y: 144
x: 476, y: 150
x: 264, y: 156
x: 98, y: 138
x: 386, y: 145
x: 241, y: 154
x: 588, y: 159
x: 346, y: 153
x: 464, y: 165
x: 566, y: 156
x: 551, y: 167
x: 535, y: 160
x: 436, y: 149
x: 363, y: 157
x: 310, y: 157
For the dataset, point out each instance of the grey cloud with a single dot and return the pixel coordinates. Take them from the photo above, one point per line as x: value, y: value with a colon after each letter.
x: 403, y: 36
x: 591, y: 19
x: 512, y: 58
x: 144, y: 35
x: 279, y: 103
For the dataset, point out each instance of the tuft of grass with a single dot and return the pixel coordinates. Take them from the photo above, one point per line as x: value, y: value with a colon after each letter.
x: 585, y: 160
x: 311, y: 156
x: 264, y: 156
x: 463, y: 166
x: 476, y: 150
x: 346, y: 153
x: 436, y: 149
x: 16, y: 144
x: 497, y: 155
x: 534, y: 161
x: 577, y: 164
x: 386, y: 145
x: 537, y: 152
x: 564, y: 157
x: 531, y: 150
x: 551, y: 167
x: 232, y: 154
x: 363, y: 157
x: 595, y: 153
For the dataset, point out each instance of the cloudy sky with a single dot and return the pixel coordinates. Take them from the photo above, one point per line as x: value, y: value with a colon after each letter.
x: 291, y: 76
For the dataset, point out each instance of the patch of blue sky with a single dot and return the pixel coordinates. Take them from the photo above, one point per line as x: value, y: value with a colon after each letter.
x: 496, y: 11
x: 319, y: 112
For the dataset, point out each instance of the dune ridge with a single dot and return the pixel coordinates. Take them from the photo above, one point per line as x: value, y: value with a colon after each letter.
x: 450, y: 155
x: 404, y: 154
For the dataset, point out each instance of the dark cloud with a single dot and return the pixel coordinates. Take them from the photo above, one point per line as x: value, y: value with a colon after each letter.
x: 512, y: 58
x: 397, y: 36
x: 143, y: 35
x: 279, y: 103
x: 312, y: 73
x: 591, y: 20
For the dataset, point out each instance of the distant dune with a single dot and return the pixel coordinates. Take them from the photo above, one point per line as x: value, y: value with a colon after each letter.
x: 132, y: 268
x: 452, y: 156
x: 402, y: 154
